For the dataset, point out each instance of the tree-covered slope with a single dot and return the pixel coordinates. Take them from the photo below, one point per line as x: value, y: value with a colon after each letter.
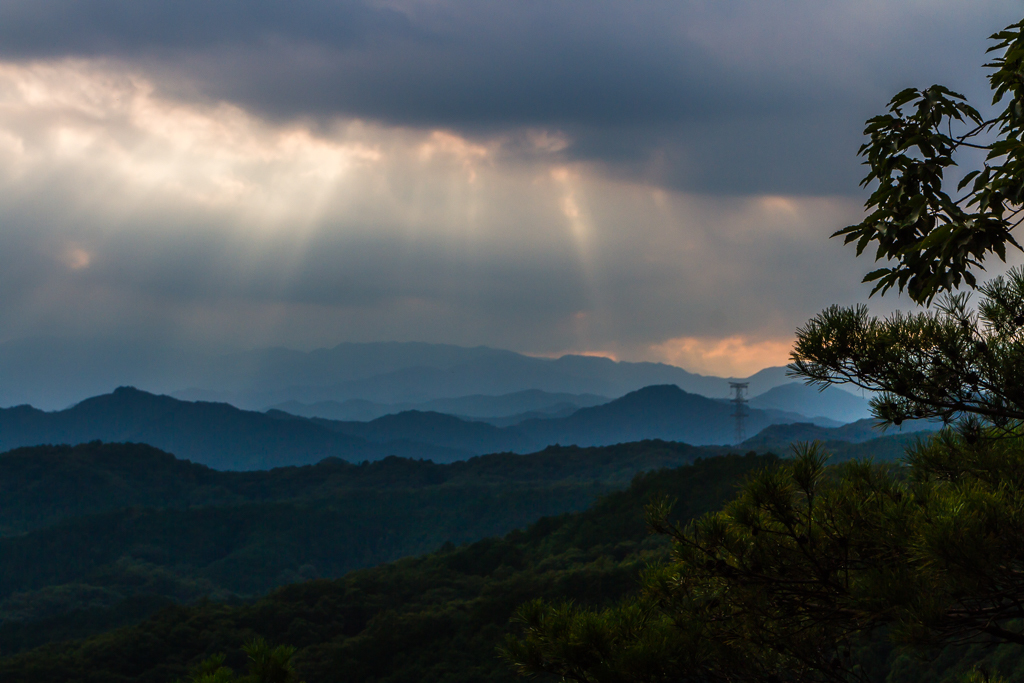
x: 42, y: 485
x: 433, y: 618
x: 100, y: 530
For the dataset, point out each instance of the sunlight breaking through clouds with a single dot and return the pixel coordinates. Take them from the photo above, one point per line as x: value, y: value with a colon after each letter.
x: 80, y: 117
x: 209, y: 222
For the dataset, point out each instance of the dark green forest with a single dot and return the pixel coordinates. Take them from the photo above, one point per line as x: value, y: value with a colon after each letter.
x: 435, y: 617
x: 98, y: 535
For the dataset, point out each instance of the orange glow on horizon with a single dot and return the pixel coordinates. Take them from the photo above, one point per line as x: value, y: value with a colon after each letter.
x: 735, y: 356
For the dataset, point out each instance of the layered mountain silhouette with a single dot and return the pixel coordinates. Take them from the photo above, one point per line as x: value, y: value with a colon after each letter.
x: 829, y: 408
x: 55, y: 373
x: 797, y: 397
x: 854, y: 432
x: 224, y: 437
x: 214, y: 434
x: 664, y: 412
x: 532, y: 402
x: 417, y: 373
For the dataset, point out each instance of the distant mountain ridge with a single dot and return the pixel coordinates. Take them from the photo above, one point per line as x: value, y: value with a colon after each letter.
x: 828, y: 408
x: 657, y: 410
x: 473, y: 406
x: 663, y: 412
x: 214, y: 434
x: 432, y: 372
x: 854, y: 432
x: 55, y: 373
x: 797, y: 397
x: 224, y: 437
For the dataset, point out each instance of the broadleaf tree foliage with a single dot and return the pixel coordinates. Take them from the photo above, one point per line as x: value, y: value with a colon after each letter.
x: 934, y: 237
x: 813, y: 565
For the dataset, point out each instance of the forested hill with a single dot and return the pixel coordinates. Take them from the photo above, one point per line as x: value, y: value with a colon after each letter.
x: 98, y: 535
x: 434, y: 618
x: 224, y: 437
x: 43, y: 485
x: 431, y: 619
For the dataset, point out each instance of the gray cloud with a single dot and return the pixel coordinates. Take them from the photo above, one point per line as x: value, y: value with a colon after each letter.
x: 720, y: 97
x: 651, y: 179
x: 544, y: 264
x: 59, y: 28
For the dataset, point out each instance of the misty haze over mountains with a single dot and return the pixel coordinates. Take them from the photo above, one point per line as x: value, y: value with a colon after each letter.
x: 225, y: 437
x: 277, y: 407
x: 53, y: 374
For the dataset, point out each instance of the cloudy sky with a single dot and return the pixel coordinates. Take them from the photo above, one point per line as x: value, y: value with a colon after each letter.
x: 649, y: 180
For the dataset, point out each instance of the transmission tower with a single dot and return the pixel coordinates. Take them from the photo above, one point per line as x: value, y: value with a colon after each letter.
x: 739, y: 401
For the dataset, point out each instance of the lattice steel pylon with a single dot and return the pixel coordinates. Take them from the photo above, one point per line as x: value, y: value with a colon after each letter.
x: 739, y: 401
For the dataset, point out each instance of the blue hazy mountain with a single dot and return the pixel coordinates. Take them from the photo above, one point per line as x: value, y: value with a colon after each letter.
x: 55, y: 373
x: 551, y: 412
x: 214, y: 434
x: 855, y: 432
x: 663, y: 412
x: 797, y: 397
x: 834, y: 405
x: 438, y: 429
x: 222, y: 436
x: 418, y: 373
x: 534, y: 402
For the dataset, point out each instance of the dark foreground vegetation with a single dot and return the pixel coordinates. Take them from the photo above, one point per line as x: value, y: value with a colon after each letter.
x: 436, y: 617
x: 99, y: 535
x: 445, y: 615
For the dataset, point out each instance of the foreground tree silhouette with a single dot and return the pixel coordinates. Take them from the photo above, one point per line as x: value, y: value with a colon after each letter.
x: 810, y: 563
x: 953, y: 363
x: 935, y: 238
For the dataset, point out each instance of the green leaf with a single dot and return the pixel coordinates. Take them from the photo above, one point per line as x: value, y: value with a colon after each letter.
x: 876, y: 274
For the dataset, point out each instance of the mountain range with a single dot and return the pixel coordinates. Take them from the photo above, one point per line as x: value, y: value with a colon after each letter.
x: 528, y: 403
x: 509, y: 409
x: 797, y: 397
x: 55, y: 373
x: 150, y: 534
x: 225, y: 437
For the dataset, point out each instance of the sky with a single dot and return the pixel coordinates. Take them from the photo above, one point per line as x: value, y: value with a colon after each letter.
x: 645, y: 180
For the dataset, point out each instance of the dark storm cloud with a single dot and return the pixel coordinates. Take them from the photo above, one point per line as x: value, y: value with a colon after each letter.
x: 466, y: 63
x: 59, y: 28
x: 501, y: 173
x: 723, y: 97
